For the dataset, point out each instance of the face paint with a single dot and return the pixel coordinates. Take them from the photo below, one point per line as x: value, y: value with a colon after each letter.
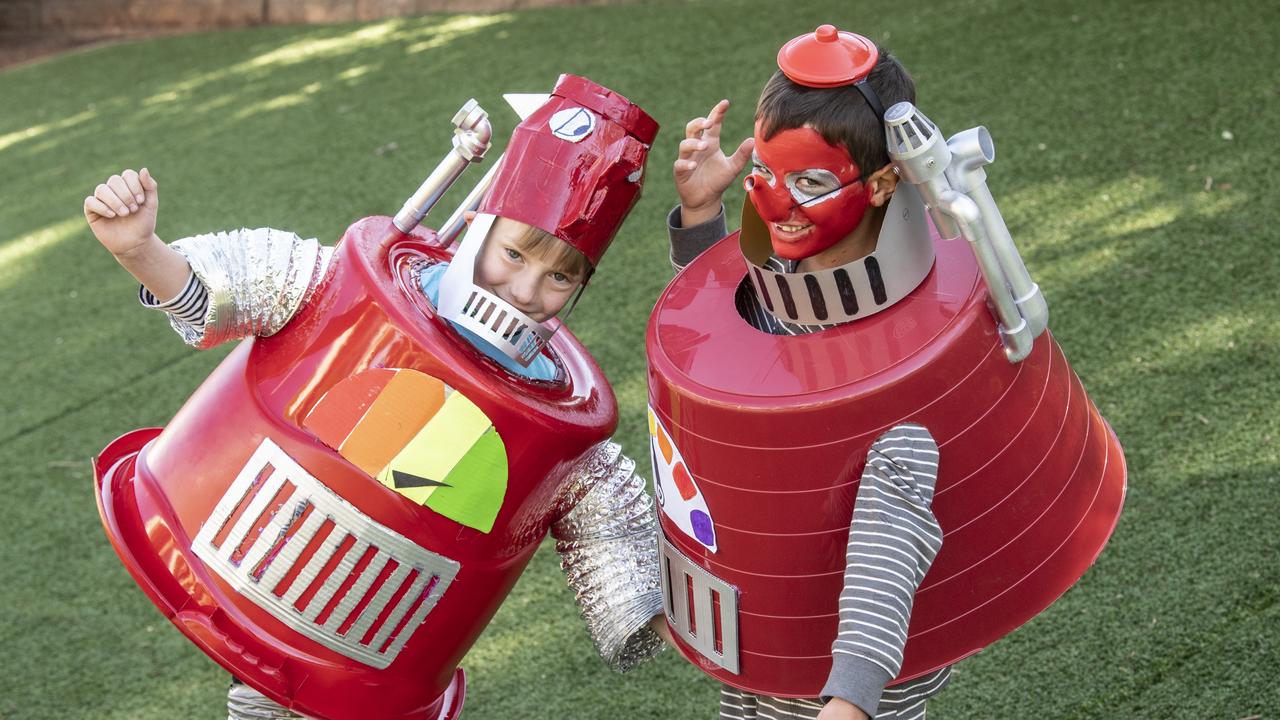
x: 807, y: 191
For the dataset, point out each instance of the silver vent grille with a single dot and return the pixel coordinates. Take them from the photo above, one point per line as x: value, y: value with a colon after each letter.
x: 701, y: 608
x: 516, y: 334
x: 316, y: 563
x: 907, y: 130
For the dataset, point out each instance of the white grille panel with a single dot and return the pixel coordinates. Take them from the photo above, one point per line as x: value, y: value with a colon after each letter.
x: 308, y: 506
x: 687, y: 592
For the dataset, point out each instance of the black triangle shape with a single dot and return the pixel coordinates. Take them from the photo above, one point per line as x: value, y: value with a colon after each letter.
x: 409, y: 480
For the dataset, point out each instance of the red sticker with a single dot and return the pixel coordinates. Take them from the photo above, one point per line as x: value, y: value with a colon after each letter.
x: 684, y: 483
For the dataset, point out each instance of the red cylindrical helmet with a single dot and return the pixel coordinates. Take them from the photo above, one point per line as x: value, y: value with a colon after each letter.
x: 575, y: 167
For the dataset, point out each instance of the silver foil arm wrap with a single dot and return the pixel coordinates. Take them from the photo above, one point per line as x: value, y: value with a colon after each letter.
x: 608, y: 546
x: 245, y: 703
x: 256, y: 280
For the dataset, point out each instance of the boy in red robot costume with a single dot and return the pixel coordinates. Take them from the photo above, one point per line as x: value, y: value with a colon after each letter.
x: 823, y: 351
x: 416, y: 419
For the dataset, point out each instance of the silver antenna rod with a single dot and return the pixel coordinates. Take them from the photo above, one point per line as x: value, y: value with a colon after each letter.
x: 472, y: 135
x: 524, y: 104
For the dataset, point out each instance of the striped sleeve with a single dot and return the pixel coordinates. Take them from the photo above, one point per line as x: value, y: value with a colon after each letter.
x: 893, y: 540
x: 188, y: 306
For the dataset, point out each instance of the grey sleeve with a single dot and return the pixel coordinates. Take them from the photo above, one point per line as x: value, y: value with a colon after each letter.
x: 893, y: 540
x: 689, y: 243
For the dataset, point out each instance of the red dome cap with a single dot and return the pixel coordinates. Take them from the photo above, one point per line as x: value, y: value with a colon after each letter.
x: 828, y: 58
x: 575, y: 166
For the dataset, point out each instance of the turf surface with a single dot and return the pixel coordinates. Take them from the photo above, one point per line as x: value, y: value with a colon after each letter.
x: 1133, y: 170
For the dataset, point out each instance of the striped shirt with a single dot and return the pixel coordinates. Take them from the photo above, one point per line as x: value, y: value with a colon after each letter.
x: 893, y: 539
x: 189, y: 306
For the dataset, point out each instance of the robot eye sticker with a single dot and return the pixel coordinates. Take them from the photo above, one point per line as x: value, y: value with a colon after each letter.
x: 418, y: 437
x: 678, y: 494
x: 573, y: 124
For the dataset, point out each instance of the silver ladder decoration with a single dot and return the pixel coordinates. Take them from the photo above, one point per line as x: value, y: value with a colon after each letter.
x: 690, y: 597
x: 300, y: 511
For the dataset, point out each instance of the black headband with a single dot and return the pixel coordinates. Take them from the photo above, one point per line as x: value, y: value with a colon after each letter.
x: 872, y: 99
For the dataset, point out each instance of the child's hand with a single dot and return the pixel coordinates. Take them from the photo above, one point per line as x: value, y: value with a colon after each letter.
x: 122, y: 211
x: 659, y: 625
x: 702, y: 171
x: 122, y: 214
x: 841, y: 709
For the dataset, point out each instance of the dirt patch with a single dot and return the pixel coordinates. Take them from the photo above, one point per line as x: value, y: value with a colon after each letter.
x: 15, y: 51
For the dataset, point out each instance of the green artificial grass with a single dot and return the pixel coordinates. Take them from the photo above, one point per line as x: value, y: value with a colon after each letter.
x: 1135, y: 168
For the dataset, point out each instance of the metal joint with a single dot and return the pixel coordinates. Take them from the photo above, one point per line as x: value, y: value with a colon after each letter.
x: 953, y: 182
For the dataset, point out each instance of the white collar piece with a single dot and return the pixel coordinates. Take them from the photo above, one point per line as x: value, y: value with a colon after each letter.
x: 901, y: 261
x: 465, y: 303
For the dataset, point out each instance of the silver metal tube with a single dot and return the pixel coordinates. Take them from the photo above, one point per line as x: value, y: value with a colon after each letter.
x: 920, y: 157
x: 1030, y: 301
x: 929, y: 191
x: 1015, y: 334
x: 471, y: 137
x: 452, y: 227
x: 972, y: 150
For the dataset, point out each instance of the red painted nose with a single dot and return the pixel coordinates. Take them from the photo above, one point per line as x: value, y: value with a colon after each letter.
x: 773, y: 204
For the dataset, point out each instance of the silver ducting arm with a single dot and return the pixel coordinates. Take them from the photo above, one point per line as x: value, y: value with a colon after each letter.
x: 953, y: 184
x: 471, y: 139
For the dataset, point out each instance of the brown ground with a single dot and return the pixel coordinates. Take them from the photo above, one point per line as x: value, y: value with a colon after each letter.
x: 15, y: 51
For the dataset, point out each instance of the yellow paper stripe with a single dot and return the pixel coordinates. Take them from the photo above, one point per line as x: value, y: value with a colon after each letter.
x: 440, y: 444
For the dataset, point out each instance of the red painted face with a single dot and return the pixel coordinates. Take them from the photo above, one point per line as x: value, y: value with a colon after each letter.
x: 807, y: 191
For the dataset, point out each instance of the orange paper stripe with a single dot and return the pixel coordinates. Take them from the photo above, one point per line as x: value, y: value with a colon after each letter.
x: 405, y: 405
x: 332, y: 419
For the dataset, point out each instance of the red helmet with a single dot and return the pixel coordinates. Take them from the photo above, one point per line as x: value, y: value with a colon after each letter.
x: 575, y: 166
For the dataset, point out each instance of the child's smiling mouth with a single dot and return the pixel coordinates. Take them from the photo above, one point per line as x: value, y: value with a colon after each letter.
x: 790, y: 231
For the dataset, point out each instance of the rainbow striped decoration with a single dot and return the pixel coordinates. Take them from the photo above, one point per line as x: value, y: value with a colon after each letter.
x: 418, y: 437
x: 678, y: 494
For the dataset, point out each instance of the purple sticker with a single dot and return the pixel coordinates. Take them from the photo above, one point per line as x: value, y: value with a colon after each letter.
x: 702, y: 529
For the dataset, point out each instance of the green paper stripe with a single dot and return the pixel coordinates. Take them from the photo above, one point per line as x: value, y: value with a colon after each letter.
x: 476, y: 486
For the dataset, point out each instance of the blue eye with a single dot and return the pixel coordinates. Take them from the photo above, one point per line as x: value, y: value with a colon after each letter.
x: 513, y: 254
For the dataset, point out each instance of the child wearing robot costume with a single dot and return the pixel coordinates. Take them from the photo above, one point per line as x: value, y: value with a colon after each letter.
x: 414, y: 424
x: 802, y: 381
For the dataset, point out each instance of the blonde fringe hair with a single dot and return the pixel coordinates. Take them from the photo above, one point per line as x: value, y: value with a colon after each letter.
x: 555, y: 252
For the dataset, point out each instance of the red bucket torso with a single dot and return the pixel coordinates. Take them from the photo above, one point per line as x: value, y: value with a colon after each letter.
x: 367, y: 313
x: 775, y: 430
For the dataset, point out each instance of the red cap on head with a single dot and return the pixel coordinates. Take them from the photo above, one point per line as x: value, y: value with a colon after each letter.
x: 575, y: 166
x: 828, y: 57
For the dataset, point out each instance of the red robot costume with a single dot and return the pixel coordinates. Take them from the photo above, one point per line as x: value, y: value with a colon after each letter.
x: 338, y: 511
x: 760, y: 439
